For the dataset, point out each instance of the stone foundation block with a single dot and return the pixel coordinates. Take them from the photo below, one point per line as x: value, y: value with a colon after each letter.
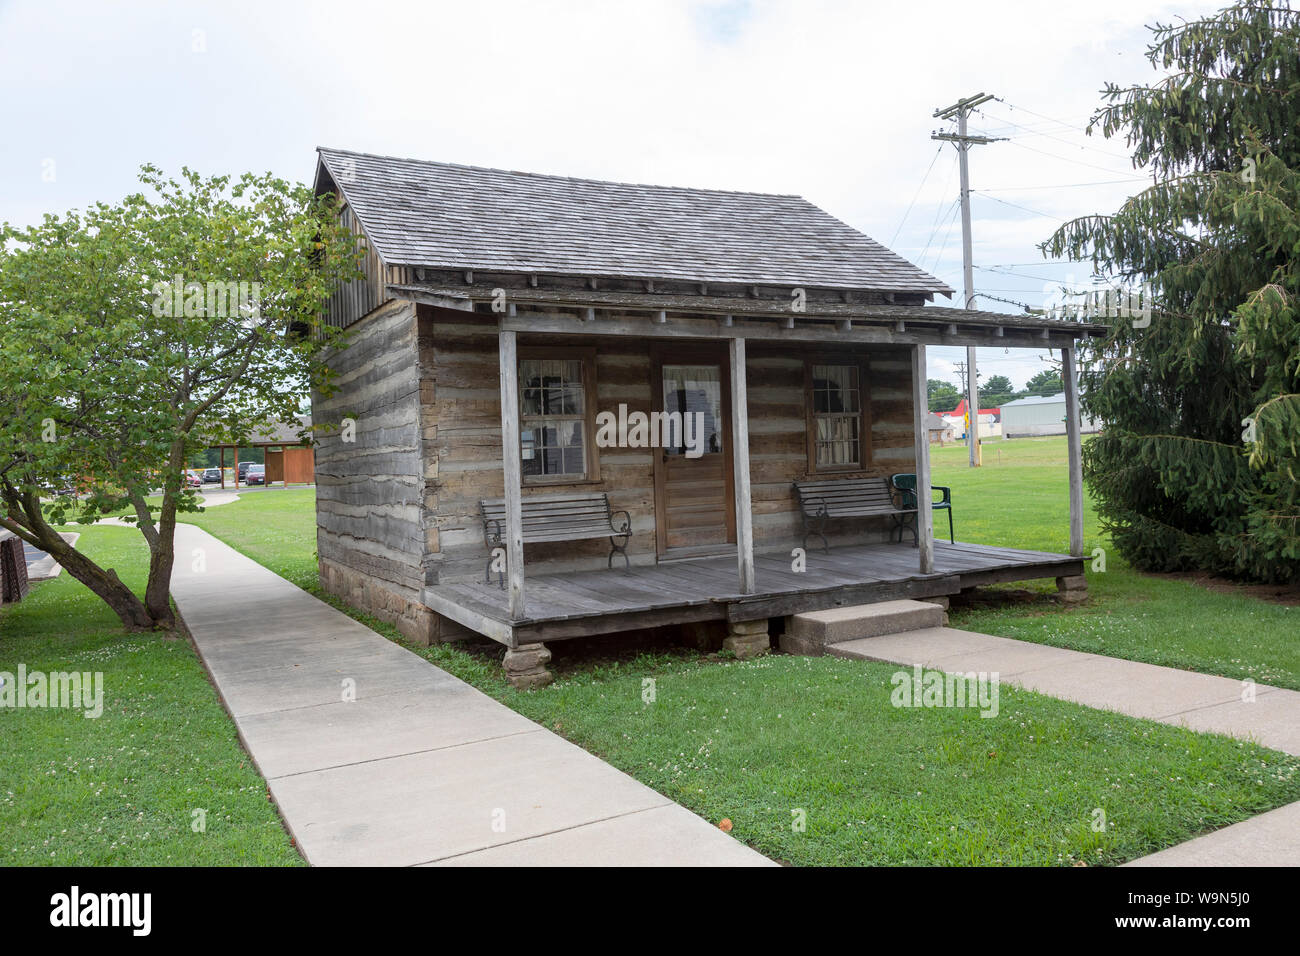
x: 747, y: 639
x: 1072, y: 589
x: 526, y: 666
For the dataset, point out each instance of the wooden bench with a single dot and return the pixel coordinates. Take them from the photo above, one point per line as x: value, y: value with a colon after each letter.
x: 563, y: 517
x: 906, y: 485
x: 821, y: 502
x: 13, y: 568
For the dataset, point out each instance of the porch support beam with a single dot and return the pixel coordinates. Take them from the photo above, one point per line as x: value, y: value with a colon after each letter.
x: 740, y: 466
x: 513, y: 470
x: 826, y: 332
x: 924, y: 513
x: 1074, y: 445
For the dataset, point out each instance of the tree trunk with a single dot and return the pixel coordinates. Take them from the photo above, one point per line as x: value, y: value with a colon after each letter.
x: 109, y: 587
x: 158, y: 593
x: 104, y: 583
x: 162, y: 550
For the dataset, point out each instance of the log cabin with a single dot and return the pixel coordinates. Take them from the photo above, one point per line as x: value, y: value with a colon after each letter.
x: 487, y: 464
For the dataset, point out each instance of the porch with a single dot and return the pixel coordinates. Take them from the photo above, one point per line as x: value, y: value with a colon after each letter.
x: 582, y: 603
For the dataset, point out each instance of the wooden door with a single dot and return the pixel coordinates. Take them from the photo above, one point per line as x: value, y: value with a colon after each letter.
x: 274, y: 461
x: 694, y: 510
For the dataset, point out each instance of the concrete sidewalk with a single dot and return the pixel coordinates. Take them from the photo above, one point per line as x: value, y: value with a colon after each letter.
x: 1270, y: 839
x: 417, y: 767
x: 1165, y: 694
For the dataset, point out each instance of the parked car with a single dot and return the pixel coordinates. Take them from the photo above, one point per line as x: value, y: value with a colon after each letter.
x: 192, y: 479
x: 242, y: 470
x: 211, y: 475
x: 256, y: 475
x: 63, y: 486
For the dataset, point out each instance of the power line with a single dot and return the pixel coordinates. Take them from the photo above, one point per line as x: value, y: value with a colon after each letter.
x: 1022, y: 291
x: 1027, y: 308
x: 1066, y: 159
x: 1022, y: 275
x: 1022, y: 109
x: 938, y: 256
x: 1039, y: 262
x: 1036, y: 212
x: 952, y: 212
x: 1099, y: 182
x: 1061, y: 139
x: 918, y: 193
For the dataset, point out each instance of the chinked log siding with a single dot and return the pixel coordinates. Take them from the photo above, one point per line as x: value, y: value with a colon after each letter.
x: 778, y: 444
x: 460, y: 357
x: 460, y: 403
x: 371, y: 508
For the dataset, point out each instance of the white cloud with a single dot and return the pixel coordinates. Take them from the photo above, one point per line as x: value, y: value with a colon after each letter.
x: 829, y: 100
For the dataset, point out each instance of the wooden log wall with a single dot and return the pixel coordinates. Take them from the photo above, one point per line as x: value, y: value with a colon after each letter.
x: 778, y: 443
x: 369, y: 492
x: 461, y: 425
x: 461, y: 392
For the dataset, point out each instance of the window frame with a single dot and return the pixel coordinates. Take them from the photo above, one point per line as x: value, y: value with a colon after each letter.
x: 587, y: 356
x: 865, y: 455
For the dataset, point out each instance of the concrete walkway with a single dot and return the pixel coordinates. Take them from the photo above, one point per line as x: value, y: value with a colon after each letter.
x: 417, y: 767
x: 1270, y: 839
x: 216, y: 497
x: 1165, y: 694
x: 42, y: 567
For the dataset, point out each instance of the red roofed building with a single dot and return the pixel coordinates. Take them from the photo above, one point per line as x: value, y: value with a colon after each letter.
x: 960, y: 412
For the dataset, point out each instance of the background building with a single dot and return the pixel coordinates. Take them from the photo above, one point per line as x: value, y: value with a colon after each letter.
x: 1038, y: 415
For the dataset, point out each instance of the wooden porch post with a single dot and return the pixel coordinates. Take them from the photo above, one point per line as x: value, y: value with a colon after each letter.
x: 924, y: 514
x: 222, y: 452
x: 740, y: 466
x: 512, y: 469
x: 1074, y: 444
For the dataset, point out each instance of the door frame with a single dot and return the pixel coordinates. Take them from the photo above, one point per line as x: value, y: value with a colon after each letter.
x: 662, y: 354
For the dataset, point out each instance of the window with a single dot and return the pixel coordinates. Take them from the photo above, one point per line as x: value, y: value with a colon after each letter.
x: 838, y: 439
x: 693, y: 390
x: 555, y: 416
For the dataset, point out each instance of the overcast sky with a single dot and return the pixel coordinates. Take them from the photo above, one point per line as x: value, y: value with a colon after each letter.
x: 832, y: 101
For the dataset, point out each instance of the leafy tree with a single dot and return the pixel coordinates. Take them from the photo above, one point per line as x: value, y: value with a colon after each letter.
x: 1046, y: 382
x: 1197, y: 466
x: 943, y: 396
x: 995, y: 391
x: 133, y: 335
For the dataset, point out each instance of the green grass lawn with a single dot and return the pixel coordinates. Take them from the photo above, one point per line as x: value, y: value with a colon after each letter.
x: 762, y: 743
x: 123, y: 788
x: 1020, y: 498
x: 276, y: 528
x: 758, y: 742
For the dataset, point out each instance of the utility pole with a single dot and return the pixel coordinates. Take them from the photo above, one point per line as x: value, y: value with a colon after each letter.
x: 961, y: 109
x: 961, y: 372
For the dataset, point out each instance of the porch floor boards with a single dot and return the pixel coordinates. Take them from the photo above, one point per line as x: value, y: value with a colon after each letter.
x: 579, y: 603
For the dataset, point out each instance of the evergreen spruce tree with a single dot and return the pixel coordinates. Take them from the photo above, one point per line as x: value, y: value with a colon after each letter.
x: 1197, y: 465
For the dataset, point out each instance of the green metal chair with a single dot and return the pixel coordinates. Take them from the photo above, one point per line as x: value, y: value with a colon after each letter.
x: 905, y: 484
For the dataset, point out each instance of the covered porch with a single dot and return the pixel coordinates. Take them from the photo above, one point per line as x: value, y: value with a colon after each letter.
x: 566, y: 605
x: 754, y: 579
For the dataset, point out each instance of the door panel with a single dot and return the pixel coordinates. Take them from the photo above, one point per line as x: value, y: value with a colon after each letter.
x: 693, y: 495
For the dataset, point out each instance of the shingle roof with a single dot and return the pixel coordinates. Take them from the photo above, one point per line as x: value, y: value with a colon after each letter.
x: 283, y: 433
x: 442, y: 215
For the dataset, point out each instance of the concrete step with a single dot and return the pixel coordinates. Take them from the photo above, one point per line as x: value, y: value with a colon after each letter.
x: 813, y: 631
